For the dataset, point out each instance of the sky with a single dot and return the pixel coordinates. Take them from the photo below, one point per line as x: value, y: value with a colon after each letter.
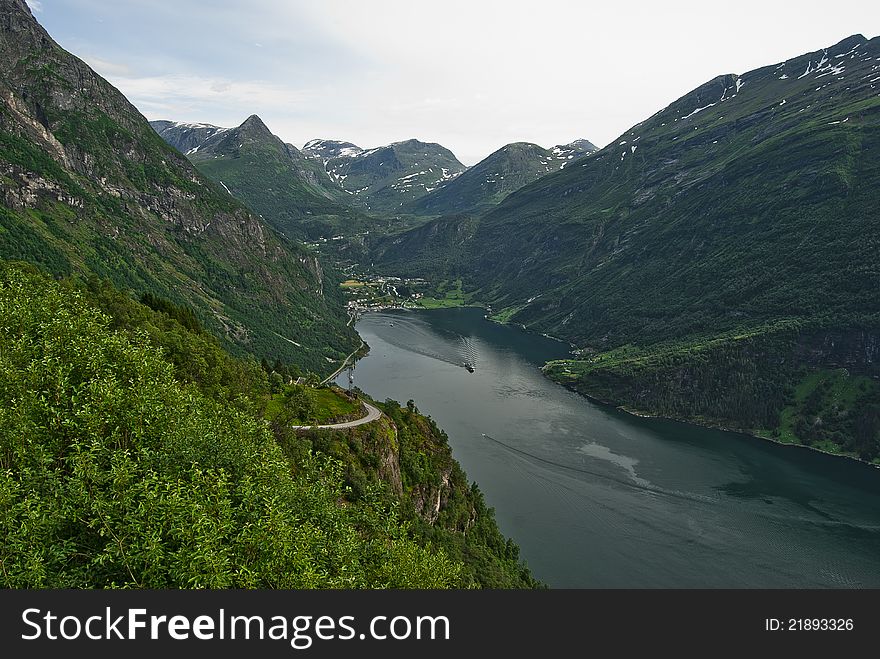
x: 473, y: 75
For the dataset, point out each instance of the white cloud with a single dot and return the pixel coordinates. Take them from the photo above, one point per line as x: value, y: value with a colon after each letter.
x: 35, y: 5
x: 185, y: 97
x: 470, y: 75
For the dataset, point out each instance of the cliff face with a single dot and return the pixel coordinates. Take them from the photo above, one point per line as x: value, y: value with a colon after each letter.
x: 87, y: 186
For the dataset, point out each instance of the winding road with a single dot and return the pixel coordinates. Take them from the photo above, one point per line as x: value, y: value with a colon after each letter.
x: 373, y: 414
x: 344, y: 364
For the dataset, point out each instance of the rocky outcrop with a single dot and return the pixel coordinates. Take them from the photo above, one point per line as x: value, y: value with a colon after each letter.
x: 429, y: 500
x: 185, y: 137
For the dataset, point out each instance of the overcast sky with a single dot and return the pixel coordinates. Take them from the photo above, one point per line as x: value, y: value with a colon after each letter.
x: 471, y: 74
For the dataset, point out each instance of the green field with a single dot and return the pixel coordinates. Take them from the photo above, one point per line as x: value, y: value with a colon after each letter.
x: 446, y: 295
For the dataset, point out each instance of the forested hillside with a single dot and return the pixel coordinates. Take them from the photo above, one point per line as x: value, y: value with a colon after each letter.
x: 411, y: 457
x: 134, y: 453
x: 87, y: 186
x: 114, y: 472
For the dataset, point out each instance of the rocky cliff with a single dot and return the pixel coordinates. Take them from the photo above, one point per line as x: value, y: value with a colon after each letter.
x: 88, y: 187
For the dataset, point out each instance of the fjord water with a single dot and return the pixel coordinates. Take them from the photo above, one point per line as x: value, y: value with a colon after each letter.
x: 599, y: 498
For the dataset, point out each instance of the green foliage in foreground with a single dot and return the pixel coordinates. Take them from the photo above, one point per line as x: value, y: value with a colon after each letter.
x: 409, y: 457
x: 115, y: 474
x: 196, y: 355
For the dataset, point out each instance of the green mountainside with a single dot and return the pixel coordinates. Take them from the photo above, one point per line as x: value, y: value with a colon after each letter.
x: 86, y: 185
x: 748, y: 199
x: 133, y: 453
x: 136, y: 451
x: 161, y: 329
x: 290, y: 191
x: 387, y: 178
x: 324, y: 150
x: 493, y: 178
x: 407, y: 455
x: 738, y: 225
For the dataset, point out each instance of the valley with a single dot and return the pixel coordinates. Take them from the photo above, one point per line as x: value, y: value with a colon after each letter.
x: 709, y: 263
x: 597, y: 497
x: 163, y: 345
x: 301, y: 356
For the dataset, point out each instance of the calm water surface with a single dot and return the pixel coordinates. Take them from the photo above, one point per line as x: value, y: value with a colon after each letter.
x: 598, y: 498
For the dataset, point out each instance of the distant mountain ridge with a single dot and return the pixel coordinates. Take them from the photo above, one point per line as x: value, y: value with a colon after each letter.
x: 289, y: 189
x: 386, y: 178
x: 506, y: 170
x: 407, y: 177
x: 380, y: 180
x: 185, y: 137
x: 326, y: 150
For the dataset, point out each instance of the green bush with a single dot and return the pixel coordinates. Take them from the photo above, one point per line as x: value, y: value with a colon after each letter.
x: 113, y: 473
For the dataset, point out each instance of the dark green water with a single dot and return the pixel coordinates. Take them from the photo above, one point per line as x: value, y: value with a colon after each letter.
x: 598, y: 498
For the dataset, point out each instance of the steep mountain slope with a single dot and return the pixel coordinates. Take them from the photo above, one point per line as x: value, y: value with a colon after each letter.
x: 734, y: 231
x: 185, y: 137
x: 436, y: 250
x: 116, y: 472
x: 493, y: 178
x: 386, y: 178
x: 748, y: 198
x: 290, y: 191
x: 87, y: 186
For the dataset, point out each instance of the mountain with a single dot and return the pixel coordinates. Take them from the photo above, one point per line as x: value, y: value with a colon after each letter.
x: 185, y: 137
x: 387, y: 178
x: 88, y: 187
x: 734, y: 232
x: 502, y: 172
x: 576, y: 149
x: 738, y: 195
x: 325, y: 150
x: 290, y: 190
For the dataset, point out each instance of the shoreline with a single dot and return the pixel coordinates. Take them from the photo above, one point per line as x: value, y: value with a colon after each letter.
x: 339, y: 370
x: 528, y: 331
x: 708, y: 426
x: 646, y: 415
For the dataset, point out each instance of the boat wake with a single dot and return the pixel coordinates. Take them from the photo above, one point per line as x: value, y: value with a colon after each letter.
x: 450, y: 347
